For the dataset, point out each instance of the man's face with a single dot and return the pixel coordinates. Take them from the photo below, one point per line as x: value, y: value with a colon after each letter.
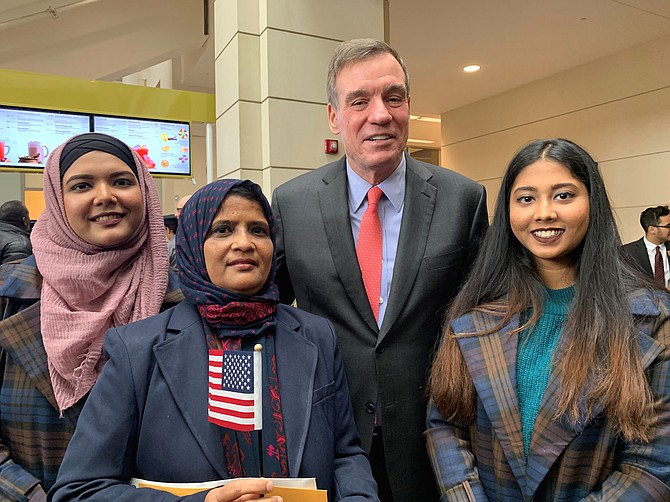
x: 660, y: 233
x: 372, y: 115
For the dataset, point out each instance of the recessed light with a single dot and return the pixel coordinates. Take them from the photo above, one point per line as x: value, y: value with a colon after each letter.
x: 471, y: 68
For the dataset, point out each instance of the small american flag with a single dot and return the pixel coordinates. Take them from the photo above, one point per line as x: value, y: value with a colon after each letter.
x: 235, y: 389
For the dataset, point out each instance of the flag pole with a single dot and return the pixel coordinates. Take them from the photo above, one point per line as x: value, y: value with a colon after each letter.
x: 258, y: 376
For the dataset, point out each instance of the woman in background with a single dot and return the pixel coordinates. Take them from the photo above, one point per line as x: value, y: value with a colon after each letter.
x: 157, y: 412
x: 99, y: 261
x: 552, y: 381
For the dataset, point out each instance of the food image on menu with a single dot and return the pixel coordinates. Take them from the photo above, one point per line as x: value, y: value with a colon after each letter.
x: 164, y: 163
x: 143, y: 152
x: 166, y: 148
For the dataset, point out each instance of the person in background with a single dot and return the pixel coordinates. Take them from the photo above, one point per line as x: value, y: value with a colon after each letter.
x: 99, y: 261
x: 378, y: 243
x: 14, y: 231
x: 650, y: 253
x: 170, y: 221
x: 158, y: 413
x: 552, y: 381
x: 180, y: 205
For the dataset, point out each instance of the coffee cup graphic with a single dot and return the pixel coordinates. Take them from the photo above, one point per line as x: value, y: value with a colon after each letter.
x: 4, y: 150
x: 37, y: 151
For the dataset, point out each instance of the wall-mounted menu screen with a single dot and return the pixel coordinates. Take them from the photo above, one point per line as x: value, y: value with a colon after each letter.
x: 28, y: 136
x: 165, y: 146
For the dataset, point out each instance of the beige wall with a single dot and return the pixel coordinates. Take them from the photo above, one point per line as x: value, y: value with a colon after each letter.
x: 617, y: 107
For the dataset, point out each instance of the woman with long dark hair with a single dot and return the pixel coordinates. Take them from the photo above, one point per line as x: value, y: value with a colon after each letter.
x: 552, y: 380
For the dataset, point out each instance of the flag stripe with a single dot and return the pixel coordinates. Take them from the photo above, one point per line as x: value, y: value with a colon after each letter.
x: 231, y: 413
x: 232, y: 425
x: 224, y: 403
x: 234, y: 396
x: 225, y: 416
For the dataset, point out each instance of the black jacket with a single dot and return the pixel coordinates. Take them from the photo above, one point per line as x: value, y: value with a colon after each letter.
x: 14, y: 243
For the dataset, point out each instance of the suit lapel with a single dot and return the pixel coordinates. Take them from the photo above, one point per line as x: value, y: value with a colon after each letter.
x: 20, y: 336
x: 550, y: 437
x: 296, y: 367
x: 417, y: 215
x: 187, y: 379
x: 491, y: 362
x: 643, y: 257
x: 335, y: 213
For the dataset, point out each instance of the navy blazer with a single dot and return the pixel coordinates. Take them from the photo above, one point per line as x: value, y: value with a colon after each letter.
x: 146, y: 416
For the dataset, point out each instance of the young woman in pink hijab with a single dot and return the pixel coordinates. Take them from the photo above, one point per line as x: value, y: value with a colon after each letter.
x: 99, y: 261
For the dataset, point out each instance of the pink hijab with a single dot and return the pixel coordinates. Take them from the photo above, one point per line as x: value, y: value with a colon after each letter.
x: 87, y: 289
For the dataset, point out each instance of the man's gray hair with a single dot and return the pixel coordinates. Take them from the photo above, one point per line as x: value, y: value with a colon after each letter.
x: 353, y: 51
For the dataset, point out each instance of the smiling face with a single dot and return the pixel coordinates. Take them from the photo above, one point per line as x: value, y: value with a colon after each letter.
x: 238, y: 249
x: 549, y: 216
x: 372, y: 115
x: 103, y: 200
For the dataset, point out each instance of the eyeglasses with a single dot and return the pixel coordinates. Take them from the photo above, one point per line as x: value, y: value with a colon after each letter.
x: 661, y: 226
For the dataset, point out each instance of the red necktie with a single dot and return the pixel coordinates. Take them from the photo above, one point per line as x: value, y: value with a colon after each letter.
x: 659, y: 272
x: 369, y: 249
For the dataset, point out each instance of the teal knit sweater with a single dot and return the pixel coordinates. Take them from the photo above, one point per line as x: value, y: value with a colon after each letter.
x: 533, y: 358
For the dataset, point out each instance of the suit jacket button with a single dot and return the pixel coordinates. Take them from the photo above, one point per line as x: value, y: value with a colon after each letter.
x: 381, y: 349
x: 370, y: 407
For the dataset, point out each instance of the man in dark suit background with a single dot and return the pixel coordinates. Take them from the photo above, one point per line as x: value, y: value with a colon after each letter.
x: 431, y: 220
x: 656, y: 224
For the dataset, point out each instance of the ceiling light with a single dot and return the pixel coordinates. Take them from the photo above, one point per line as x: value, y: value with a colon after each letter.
x: 471, y: 68
x: 410, y: 140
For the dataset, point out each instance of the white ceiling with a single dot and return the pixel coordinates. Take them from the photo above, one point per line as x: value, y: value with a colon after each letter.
x: 515, y: 41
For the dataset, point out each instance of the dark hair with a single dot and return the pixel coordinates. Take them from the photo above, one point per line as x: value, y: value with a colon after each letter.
x: 353, y: 51
x: 651, y: 216
x: 245, y: 192
x: 170, y: 221
x: 603, y: 348
x: 16, y: 213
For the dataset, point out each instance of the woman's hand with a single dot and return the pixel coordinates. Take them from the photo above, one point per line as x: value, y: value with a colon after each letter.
x: 243, y: 490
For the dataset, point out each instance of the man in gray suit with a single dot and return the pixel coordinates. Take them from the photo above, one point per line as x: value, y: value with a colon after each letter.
x: 431, y: 221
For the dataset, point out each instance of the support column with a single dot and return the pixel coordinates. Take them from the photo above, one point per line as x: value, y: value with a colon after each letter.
x: 271, y: 63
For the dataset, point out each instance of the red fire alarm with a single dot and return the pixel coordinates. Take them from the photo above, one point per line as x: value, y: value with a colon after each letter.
x: 331, y: 145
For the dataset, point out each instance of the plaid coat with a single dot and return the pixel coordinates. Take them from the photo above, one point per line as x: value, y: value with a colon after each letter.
x: 33, y: 437
x: 486, y: 461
